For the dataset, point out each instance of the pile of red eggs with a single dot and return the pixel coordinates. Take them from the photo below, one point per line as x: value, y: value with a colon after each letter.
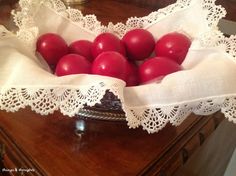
x: 136, y: 58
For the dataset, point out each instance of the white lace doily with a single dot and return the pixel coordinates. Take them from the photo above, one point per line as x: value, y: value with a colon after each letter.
x: 207, y: 85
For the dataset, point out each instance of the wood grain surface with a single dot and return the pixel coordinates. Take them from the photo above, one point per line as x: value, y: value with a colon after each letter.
x: 50, y: 146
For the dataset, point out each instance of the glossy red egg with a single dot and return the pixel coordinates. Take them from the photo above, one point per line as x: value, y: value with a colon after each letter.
x: 83, y: 48
x: 132, y: 75
x: 139, y: 44
x: 51, y: 47
x: 110, y: 63
x: 73, y: 64
x: 156, y: 67
x: 107, y: 42
x: 173, y: 45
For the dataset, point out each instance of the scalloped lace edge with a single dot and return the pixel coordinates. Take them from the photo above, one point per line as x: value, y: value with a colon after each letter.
x: 155, y: 117
x: 152, y: 118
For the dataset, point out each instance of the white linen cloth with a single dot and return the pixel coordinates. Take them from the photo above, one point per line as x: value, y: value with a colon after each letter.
x: 207, y: 83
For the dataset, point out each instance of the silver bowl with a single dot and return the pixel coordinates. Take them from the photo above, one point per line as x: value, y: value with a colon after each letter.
x: 109, y: 109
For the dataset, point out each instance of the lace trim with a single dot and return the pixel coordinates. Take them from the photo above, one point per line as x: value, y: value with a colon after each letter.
x: 216, y: 38
x: 156, y: 117
x: 24, y: 18
x: 70, y: 101
x: 151, y: 118
x: 47, y: 100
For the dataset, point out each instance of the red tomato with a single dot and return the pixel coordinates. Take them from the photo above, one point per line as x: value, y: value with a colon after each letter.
x: 157, y: 67
x: 173, y: 45
x: 139, y: 44
x: 107, y: 42
x: 51, y: 47
x: 132, y: 75
x: 73, y: 64
x: 83, y: 48
x: 110, y: 63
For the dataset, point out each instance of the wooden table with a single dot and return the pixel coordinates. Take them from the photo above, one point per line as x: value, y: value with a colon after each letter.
x: 36, y: 145
x: 50, y: 146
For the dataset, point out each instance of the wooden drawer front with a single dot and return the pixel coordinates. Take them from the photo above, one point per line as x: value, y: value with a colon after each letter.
x: 10, y: 167
x: 190, y: 147
x: 11, y: 163
x: 5, y: 170
x: 14, y: 160
x: 218, y: 117
x: 180, y: 157
x: 198, y: 139
x: 207, y: 130
x: 182, y: 150
x: 2, y: 151
x: 171, y: 166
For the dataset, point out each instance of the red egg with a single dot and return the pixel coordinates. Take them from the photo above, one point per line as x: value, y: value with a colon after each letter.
x: 51, y: 47
x: 73, y: 64
x: 157, y: 67
x: 107, y: 42
x: 132, y: 75
x: 139, y: 44
x: 173, y: 45
x: 83, y: 48
x: 110, y: 63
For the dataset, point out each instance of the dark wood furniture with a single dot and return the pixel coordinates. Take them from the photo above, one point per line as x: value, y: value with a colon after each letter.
x: 214, y: 156
x: 31, y: 144
x: 50, y: 146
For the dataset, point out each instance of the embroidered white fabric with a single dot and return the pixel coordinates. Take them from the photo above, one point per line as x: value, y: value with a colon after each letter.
x: 207, y: 84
